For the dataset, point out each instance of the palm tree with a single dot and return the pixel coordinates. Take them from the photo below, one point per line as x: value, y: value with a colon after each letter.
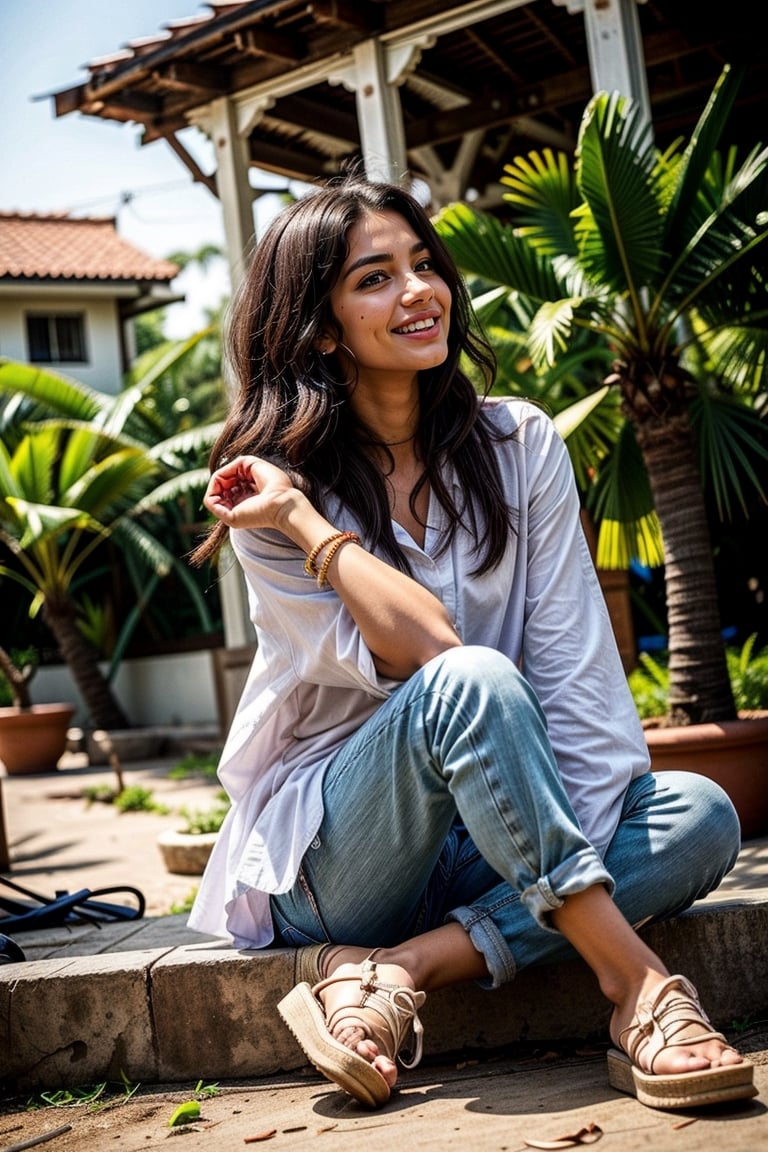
x: 88, y: 472
x: 659, y: 258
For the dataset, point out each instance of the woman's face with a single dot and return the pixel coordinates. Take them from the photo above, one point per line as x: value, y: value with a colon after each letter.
x: 393, y: 308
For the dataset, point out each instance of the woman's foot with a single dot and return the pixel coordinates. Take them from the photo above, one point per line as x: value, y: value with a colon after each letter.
x: 667, y: 1054
x: 691, y: 1045
x: 354, y: 1023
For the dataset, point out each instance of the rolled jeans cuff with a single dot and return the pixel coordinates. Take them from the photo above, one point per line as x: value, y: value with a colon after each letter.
x: 579, y: 872
x: 490, y: 943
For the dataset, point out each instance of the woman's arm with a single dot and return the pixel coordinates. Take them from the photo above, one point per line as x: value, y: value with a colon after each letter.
x: 401, y: 622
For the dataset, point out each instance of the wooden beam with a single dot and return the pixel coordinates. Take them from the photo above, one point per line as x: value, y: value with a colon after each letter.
x: 364, y: 18
x: 196, y: 77
x: 442, y: 127
x: 264, y: 42
x: 191, y: 164
x: 70, y: 100
x: 309, y: 116
x: 289, y: 162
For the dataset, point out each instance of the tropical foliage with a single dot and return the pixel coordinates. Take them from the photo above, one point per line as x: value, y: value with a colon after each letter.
x: 90, y: 482
x: 747, y: 668
x: 654, y: 261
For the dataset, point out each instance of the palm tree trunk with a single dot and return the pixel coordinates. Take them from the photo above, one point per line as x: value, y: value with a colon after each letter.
x: 697, y: 652
x: 82, y: 661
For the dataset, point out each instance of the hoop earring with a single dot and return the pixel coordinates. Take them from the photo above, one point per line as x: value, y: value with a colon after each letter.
x: 347, y: 352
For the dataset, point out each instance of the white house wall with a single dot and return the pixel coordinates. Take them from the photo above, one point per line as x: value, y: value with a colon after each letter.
x: 102, y: 328
x: 178, y: 689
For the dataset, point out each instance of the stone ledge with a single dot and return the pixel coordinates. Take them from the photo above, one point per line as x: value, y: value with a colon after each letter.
x: 206, y: 1010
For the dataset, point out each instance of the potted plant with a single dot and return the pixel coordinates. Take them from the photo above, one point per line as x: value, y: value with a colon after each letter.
x: 185, y: 850
x: 658, y: 260
x: 33, y: 737
x: 725, y: 760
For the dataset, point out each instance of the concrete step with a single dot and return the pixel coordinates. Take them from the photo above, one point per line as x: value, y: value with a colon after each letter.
x: 154, y: 1002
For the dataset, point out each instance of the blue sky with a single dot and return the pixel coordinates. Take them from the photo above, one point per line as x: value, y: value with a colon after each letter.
x: 98, y: 167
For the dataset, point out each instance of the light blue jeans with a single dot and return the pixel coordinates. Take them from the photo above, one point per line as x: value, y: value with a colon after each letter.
x: 447, y: 805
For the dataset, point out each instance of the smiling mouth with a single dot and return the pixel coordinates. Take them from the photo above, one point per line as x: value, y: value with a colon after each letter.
x: 417, y: 326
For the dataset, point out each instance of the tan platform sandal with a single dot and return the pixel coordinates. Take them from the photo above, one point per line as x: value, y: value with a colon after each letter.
x: 387, y: 1013
x: 674, y: 1016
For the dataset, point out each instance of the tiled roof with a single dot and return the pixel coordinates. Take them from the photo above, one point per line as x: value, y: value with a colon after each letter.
x: 58, y: 247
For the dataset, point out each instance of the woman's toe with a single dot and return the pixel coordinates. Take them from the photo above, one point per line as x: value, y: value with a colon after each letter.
x: 387, y: 1068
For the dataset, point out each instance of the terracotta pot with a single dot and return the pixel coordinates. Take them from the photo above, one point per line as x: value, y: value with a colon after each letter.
x: 186, y: 853
x: 34, y: 739
x: 734, y: 754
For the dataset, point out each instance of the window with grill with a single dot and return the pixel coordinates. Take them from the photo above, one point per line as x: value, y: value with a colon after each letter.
x: 56, y: 339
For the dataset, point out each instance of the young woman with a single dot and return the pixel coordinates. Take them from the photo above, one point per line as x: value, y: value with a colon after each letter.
x: 436, y: 769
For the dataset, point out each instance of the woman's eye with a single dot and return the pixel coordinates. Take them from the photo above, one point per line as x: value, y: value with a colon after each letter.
x: 372, y: 279
x: 426, y: 264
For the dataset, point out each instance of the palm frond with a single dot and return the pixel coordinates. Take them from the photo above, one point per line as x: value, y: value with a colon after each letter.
x: 551, y: 329
x: 618, y: 228
x: 697, y: 156
x: 733, y: 449
x: 723, y: 253
x: 622, y: 505
x: 33, y: 465
x: 741, y: 357
x: 129, y: 534
x: 590, y: 425
x: 61, y: 394
x: 481, y: 245
x: 43, y: 522
x: 192, y: 483
x: 191, y: 440
x: 8, y: 483
x: 171, y: 357
x: 77, y: 449
x: 570, y: 419
x: 105, y: 484
x: 620, y: 542
x: 488, y: 305
x: 545, y: 191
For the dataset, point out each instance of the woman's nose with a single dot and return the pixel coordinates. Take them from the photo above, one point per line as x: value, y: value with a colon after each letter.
x: 417, y: 288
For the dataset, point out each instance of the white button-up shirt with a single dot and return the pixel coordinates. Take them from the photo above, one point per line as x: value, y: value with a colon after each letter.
x: 313, y: 680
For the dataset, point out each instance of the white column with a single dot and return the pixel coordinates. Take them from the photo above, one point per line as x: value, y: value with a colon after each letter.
x: 379, y: 116
x: 615, y: 46
x: 236, y: 198
x: 233, y: 164
x: 374, y: 75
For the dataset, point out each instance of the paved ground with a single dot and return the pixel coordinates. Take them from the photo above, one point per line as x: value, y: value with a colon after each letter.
x: 502, y: 1104
x: 58, y: 840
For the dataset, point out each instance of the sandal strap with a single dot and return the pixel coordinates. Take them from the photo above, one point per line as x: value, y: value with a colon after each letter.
x: 673, y: 1016
x: 391, y: 1011
x: 308, y: 964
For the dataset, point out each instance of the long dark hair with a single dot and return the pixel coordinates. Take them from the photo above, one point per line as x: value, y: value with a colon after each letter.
x: 292, y: 402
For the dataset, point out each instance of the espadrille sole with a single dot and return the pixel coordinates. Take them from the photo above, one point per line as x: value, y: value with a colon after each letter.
x: 304, y: 1016
x: 684, y: 1089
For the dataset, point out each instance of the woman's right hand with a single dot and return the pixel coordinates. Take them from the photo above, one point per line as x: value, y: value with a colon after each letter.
x: 248, y: 492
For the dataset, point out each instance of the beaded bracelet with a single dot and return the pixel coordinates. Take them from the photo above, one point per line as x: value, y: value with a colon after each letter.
x: 333, y: 547
x: 309, y: 563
